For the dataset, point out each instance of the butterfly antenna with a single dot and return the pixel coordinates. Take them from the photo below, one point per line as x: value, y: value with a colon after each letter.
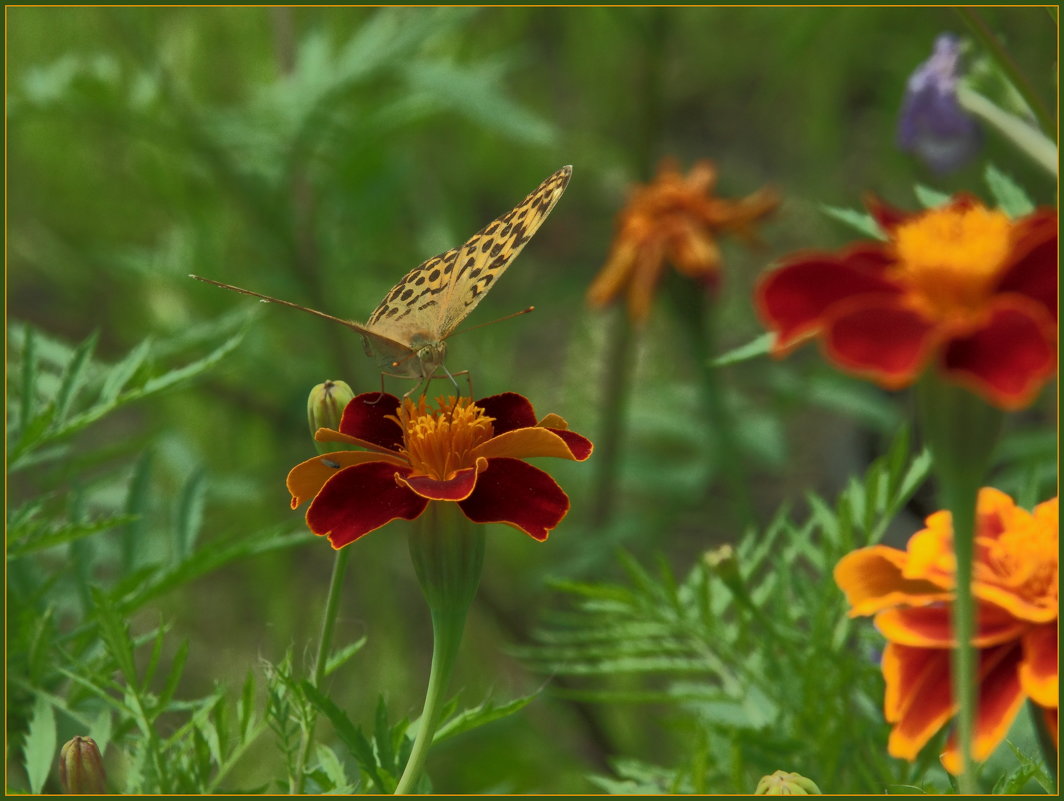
x: 268, y: 299
x: 492, y: 322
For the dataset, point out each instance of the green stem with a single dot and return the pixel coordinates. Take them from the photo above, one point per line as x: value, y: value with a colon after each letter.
x: 616, y: 393
x: 961, y: 431
x: 695, y: 307
x: 328, y: 625
x: 1008, y: 65
x: 1045, y: 739
x: 448, y: 554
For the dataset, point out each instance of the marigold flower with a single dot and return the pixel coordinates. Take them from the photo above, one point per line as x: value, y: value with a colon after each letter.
x: 457, y: 451
x: 910, y: 592
x: 960, y: 285
x: 673, y: 219
x: 932, y: 125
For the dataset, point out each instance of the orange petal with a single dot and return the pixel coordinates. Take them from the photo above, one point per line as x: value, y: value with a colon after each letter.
x: 332, y: 435
x: 872, y: 580
x: 523, y: 443
x: 1000, y: 698
x: 918, y: 699
x: 306, y: 479
x: 930, y: 627
x: 553, y: 420
x: 1034, y: 610
x: 1038, y: 670
x: 614, y: 275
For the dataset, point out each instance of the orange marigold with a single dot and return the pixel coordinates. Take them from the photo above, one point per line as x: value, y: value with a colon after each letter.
x: 910, y: 592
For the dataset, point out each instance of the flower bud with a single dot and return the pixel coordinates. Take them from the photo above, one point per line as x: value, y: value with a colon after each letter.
x: 81, y: 768
x: 723, y: 563
x: 325, y: 407
x: 781, y: 783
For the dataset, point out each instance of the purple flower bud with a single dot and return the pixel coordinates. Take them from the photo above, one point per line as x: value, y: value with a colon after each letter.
x: 932, y: 125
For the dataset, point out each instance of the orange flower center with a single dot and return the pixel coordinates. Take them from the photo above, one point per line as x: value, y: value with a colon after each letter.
x: 1025, y: 559
x: 437, y: 442
x: 950, y: 258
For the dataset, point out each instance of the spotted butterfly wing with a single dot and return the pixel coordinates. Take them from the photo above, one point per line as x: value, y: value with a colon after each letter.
x: 429, y: 302
x: 407, y: 331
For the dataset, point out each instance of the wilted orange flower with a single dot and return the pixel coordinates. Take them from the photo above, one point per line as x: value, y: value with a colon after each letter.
x: 675, y: 219
x: 1015, y: 586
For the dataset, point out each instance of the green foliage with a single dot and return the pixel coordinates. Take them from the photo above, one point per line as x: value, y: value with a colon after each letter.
x: 762, y: 665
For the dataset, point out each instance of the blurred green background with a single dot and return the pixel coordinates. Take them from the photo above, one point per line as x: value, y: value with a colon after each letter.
x: 318, y: 154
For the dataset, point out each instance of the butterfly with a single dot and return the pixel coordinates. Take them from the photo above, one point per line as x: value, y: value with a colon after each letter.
x: 407, y: 332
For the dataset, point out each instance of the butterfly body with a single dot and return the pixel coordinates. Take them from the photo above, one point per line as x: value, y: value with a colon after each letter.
x: 407, y: 331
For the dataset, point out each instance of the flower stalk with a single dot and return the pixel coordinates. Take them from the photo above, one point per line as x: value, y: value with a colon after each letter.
x: 448, y: 554
x: 961, y: 431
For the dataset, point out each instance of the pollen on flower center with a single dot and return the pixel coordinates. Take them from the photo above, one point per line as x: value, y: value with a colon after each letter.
x: 950, y: 257
x: 1027, y: 561
x: 437, y: 441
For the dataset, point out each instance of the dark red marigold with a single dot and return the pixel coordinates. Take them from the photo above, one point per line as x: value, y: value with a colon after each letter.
x: 960, y: 286
x: 459, y: 451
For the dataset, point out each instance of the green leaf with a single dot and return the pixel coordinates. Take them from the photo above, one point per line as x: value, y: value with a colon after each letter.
x: 28, y: 378
x: 382, y: 737
x: 1008, y: 195
x: 353, y: 738
x: 340, y: 657
x: 333, y: 769
x: 73, y: 377
x: 115, y: 633
x: 861, y: 222
x: 929, y: 198
x: 120, y: 374
x: 69, y: 532
x: 470, y: 719
x: 189, y: 515
x: 39, y: 749
x: 761, y: 346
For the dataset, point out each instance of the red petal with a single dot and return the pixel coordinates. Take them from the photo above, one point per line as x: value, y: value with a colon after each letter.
x: 1000, y: 698
x: 510, y: 411
x: 580, y: 447
x: 1009, y: 358
x: 886, y: 216
x: 881, y: 339
x: 794, y: 299
x: 365, y: 418
x: 931, y: 627
x: 457, y: 488
x: 518, y: 494
x: 1033, y: 271
x: 918, y: 696
x: 361, y: 499
x: 1039, y: 668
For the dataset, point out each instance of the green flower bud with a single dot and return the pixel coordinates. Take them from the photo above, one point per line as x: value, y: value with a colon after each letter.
x: 325, y: 408
x: 81, y: 768
x: 781, y: 783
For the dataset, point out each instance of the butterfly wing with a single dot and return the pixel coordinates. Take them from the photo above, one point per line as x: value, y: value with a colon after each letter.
x: 433, y: 298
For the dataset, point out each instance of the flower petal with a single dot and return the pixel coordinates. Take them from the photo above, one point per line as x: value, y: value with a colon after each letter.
x: 649, y: 267
x: 361, y: 499
x: 1033, y: 268
x: 1038, y: 671
x: 879, y: 338
x: 1000, y: 698
x: 518, y: 494
x: 524, y: 443
x: 307, y: 478
x: 457, y: 488
x: 872, y: 580
x: 1009, y: 358
x: 553, y: 420
x: 887, y: 217
x: 366, y: 419
x: 509, y: 411
x: 612, y: 278
x: 918, y: 698
x: 794, y: 299
x: 930, y: 626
